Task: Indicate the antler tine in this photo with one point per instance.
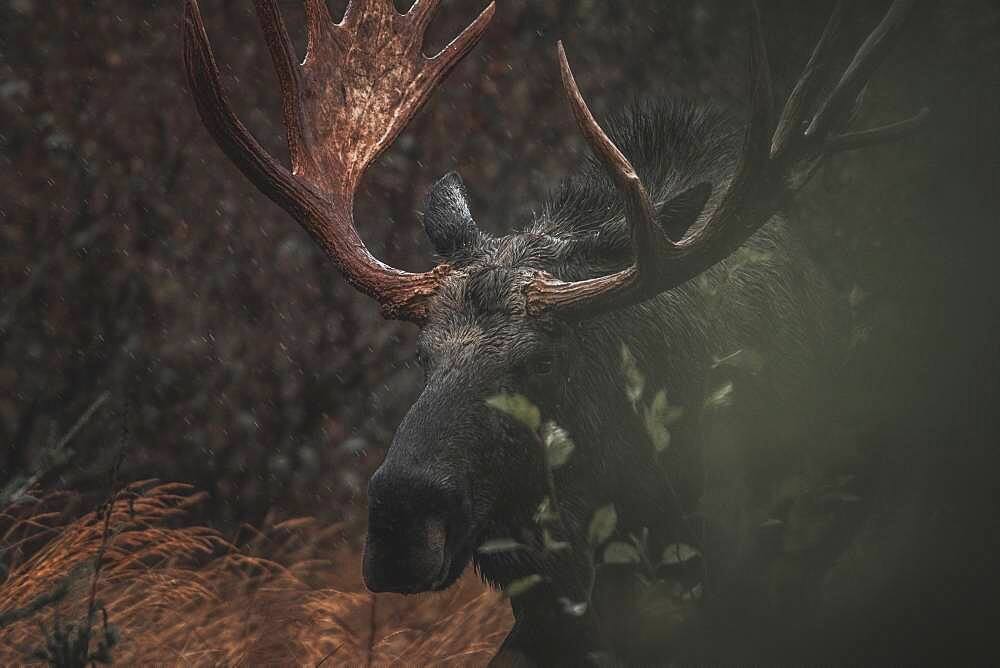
(287, 70)
(232, 136)
(318, 23)
(809, 84)
(357, 8)
(762, 90)
(725, 229)
(650, 245)
(868, 57)
(639, 210)
(659, 262)
(449, 56)
(373, 65)
(760, 186)
(423, 11)
(850, 141)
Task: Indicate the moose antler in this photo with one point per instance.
(774, 151)
(361, 82)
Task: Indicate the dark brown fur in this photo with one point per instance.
(458, 461)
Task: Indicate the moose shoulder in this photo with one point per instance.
(558, 441)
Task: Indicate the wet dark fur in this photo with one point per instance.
(767, 297)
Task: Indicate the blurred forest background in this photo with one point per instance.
(144, 280)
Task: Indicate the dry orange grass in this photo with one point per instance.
(186, 595)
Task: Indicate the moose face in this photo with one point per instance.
(456, 463)
(497, 314)
(489, 311)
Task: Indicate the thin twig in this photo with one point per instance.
(332, 652)
(84, 419)
(371, 632)
(15, 490)
(114, 494)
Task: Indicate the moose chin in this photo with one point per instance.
(668, 250)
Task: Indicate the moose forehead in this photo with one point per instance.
(486, 296)
(490, 281)
(482, 303)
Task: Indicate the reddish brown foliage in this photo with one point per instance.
(187, 595)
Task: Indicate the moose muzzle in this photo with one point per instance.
(411, 527)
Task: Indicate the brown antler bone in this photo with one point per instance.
(361, 82)
(774, 151)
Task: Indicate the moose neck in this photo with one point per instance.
(608, 421)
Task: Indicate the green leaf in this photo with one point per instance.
(679, 553)
(635, 381)
(518, 407)
(658, 434)
(558, 445)
(602, 524)
(500, 545)
(521, 585)
(551, 544)
(545, 513)
(721, 397)
(659, 416)
(573, 608)
(694, 593)
(621, 553)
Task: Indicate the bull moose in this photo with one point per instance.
(668, 250)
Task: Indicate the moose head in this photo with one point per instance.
(500, 315)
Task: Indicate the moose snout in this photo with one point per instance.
(410, 517)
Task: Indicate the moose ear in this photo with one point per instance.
(679, 213)
(447, 219)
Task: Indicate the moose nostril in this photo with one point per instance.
(435, 535)
(410, 517)
(408, 560)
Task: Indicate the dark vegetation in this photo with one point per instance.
(135, 261)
